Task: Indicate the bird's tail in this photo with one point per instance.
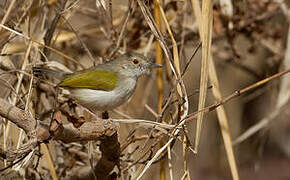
(44, 72)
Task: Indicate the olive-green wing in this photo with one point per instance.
(98, 79)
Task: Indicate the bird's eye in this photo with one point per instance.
(135, 61)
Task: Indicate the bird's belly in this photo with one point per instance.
(98, 100)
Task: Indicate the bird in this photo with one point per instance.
(105, 86)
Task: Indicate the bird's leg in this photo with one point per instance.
(90, 112)
(105, 115)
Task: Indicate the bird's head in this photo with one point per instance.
(134, 64)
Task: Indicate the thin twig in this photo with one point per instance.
(49, 34)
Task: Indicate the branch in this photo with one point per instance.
(236, 94)
(18, 116)
(111, 150)
(100, 129)
(67, 133)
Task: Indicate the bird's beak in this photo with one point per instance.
(154, 65)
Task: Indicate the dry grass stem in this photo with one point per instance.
(216, 91)
(206, 35)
